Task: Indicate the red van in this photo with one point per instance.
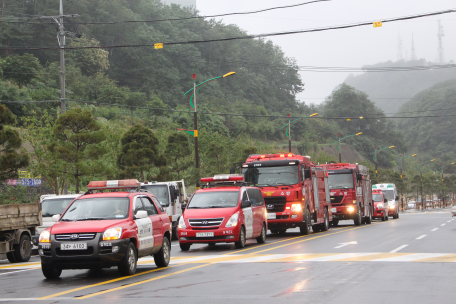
(225, 210)
(380, 205)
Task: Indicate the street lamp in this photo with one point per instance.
(375, 156)
(340, 139)
(289, 124)
(401, 159)
(192, 103)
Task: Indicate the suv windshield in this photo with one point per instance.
(52, 207)
(219, 199)
(160, 192)
(272, 176)
(340, 181)
(388, 194)
(99, 208)
(377, 198)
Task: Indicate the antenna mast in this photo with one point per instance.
(440, 34)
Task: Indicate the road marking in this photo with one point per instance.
(398, 248)
(435, 229)
(346, 244)
(443, 225)
(422, 236)
(20, 266)
(449, 221)
(19, 271)
(412, 257)
(140, 282)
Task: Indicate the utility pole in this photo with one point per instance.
(289, 134)
(340, 154)
(195, 127)
(61, 39)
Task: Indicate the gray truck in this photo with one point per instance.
(18, 224)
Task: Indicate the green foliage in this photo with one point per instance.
(16, 195)
(21, 69)
(77, 142)
(178, 152)
(139, 153)
(90, 61)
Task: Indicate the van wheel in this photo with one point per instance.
(127, 266)
(325, 225)
(23, 250)
(164, 255)
(50, 271)
(262, 238)
(305, 226)
(185, 247)
(395, 216)
(335, 223)
(241, 243)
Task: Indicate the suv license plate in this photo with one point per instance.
(204, 234)
(272, 216)
(73, 246)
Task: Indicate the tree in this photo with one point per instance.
(77, 142)
(178, 152)
(139, 152)
(90, 61)
(10, 158)
(21, 69)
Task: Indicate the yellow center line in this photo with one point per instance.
(140, 282)
(19, 265)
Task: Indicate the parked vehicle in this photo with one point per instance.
(380, 205)
(224, 210)
(171, 196)
(106, 229)
(17, 225)
(351, 193)
(411, 205)
(295, 191)
(390, 193)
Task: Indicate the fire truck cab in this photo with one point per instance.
(295, 191)
(351, 193)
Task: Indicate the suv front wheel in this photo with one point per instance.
(127, 266)
(163, 257)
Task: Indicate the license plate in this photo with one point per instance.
(204, 234)
(73, 246)
(333, 209)
(272, 216)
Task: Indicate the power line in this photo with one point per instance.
(240, 37)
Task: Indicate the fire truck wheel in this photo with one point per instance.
(185, 247)
(50, 271)
(262, 238)
(241, 242)
(358, 218)
(335, 223)
(282, 231)
(383, 218)
(387, 217)
(369, 218)
(316, 228)
(127, 266)
(325, 225)
(305, 226)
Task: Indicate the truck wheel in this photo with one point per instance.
(164, 255)
(10, 256)
(241, 243)
(325, 225)
(335, 223)
(383, 218)
(50, 271)
(305, 226)
(127, 266)
(185, 247)
(316, 228)
(262, 238)
(358, 218)
(274, 230)
(369, 218)
(23, 250)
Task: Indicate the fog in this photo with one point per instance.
(353, 47)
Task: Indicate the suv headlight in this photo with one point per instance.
(182, 223)
(112, 234)
(232, 222)
(45, 237)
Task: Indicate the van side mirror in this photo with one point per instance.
(397, 197)
(183, 206)
(307, 174)
(385, 200)
(141, 214)
(246, 204)
(55, 217)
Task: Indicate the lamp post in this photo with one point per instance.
(421, 175)
(192, 103)
(402, 158)
(289, 124)
(341, 139)
(375, 156)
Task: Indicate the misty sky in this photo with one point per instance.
(348, 47)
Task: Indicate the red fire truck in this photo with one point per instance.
(351, 193)
(295, 191)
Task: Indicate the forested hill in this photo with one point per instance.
(263, 73)
(390, 90)
(433, 137)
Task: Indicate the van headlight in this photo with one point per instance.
(391, 206)
(112, 234)
(181, 224)
(380, 205)
(232, 222)
(45, 237)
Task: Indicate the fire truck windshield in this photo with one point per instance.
(272, 176)
(340, 181)
(218, 199)
(160, 192)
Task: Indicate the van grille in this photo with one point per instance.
(205, 222)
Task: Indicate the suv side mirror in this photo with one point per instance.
(55, 217)
(307, 174)
(385, 200)
(141, 214)
(246, 204)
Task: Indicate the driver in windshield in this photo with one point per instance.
(120, 209)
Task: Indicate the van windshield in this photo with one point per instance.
(219, 199)
(388, 194)
(99, 208)
(272, 176)
(377, 198)
(52, 207)
(340, 181)
(160, 192)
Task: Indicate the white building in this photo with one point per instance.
(181, 2)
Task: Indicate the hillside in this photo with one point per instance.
(390, 90)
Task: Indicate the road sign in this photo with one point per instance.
(378, 24)
(158, 45)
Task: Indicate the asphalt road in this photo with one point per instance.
(398, 261)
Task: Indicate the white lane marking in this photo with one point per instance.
(18, 271)
(435, 229)
(443, 225)
(259, 259)
(420, 237)
(200, 258)
(398, 248)
(449, 221)
(411, 257)
(346, 244)
(337, 257)
(174, 245)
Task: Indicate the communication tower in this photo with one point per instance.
(399, 48)
(440, 34)
(413, 53)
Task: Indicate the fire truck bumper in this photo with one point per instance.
(344, 213)
(284, 220)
